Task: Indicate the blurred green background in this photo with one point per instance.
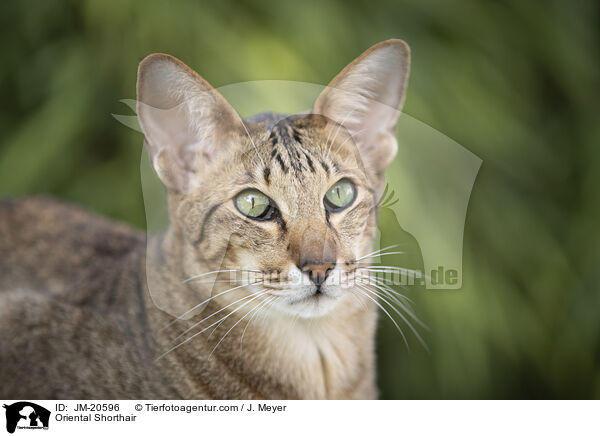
(515, 82)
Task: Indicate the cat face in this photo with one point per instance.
(288, 202)
(303, 244)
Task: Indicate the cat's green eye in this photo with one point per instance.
(340, 195)
(254, 204)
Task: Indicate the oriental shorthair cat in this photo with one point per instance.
(257, 288)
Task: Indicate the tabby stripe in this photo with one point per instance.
(283, 167)
(206, 218)
(310, 162)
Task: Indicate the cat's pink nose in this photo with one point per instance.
(318, 272)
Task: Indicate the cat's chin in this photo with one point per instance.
(313, 306)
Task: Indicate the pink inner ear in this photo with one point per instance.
(165, 127)
(183, 118)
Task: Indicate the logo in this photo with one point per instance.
(26, 415)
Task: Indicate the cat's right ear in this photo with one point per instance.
(186, 122)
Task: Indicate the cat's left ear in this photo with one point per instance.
(366, 98)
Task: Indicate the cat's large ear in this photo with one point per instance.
(366, 98)
(186, 122)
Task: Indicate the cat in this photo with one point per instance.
(93, 309)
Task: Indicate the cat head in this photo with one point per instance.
(292, 198)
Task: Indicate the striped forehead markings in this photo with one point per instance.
(288, 152)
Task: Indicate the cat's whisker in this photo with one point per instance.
(372, 279)
(271, 303)
(408, 311)
(221, 271)
(225, 318)
(329, 145)
(231, 328)
(385, 311)
(395, 310)
(327, 142)
(206, 328)
(262, 292)
(394, 296)
(277, 293)
(180, 317)
(395, 277)
(396, 293)
(374, 275)
(213, 314)
(378, 251)
(252, 141)
(380, 254)
(258, 309)
(264, 311)
(386, 267)
(349, 138)
(277, 286)
(390, 269)
(383, 298)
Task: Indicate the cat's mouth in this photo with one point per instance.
(299, 294)
(304, 301)
(318, 294)
(312, 296)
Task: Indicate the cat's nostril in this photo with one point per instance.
(318, 272)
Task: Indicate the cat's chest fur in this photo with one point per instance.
(282, 359)
(79, 323)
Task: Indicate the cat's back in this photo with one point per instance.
(59, 248)
(70, 297)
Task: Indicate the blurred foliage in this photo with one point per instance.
(515, 82)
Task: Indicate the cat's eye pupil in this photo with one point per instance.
(340, 195)
(254, 204)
